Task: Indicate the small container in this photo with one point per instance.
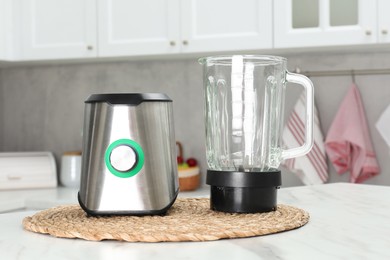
(70, 169)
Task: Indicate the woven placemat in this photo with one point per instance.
(189, 219)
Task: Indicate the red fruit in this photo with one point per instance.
(180, 160)
(192, 162)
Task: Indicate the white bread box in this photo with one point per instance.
(22, 170)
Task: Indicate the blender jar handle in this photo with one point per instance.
(306, 147)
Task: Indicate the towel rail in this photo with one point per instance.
(328, 73)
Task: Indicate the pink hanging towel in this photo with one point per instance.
(348, 142)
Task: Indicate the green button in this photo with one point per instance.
(139, 154)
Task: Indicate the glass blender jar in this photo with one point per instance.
(244, 107)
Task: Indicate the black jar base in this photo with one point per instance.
(243, 192)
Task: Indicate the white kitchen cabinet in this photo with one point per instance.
(301, 23)
(57, 29)
(3, 31)
(383, 30)
(65, 29)
(132, 27)
(6, 30)
(225, 25)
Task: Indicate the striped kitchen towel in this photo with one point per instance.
(312, 167)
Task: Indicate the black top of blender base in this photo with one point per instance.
(244, 179)
(128, 98)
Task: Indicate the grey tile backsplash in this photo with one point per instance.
(41, 106)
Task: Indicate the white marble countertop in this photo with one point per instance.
(37, 199)
(14, 200)
(347, 221)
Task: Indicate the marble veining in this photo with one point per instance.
(347, 221)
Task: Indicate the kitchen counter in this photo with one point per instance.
(37, 199)
(347, 221)
(15, 200)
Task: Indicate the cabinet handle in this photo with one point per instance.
(384, 31)
(368, 32)
(172, 43)
(90, 47)
(185, 42)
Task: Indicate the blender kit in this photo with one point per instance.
(129, 155)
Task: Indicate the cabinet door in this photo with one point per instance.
(301, 23)
(58, 29)
(383, 21)
(133, 27)
(3, 32)
(6, 30)
(226, 25)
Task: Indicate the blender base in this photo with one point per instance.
(243, 192)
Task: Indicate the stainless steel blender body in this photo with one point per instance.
(129, 155)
